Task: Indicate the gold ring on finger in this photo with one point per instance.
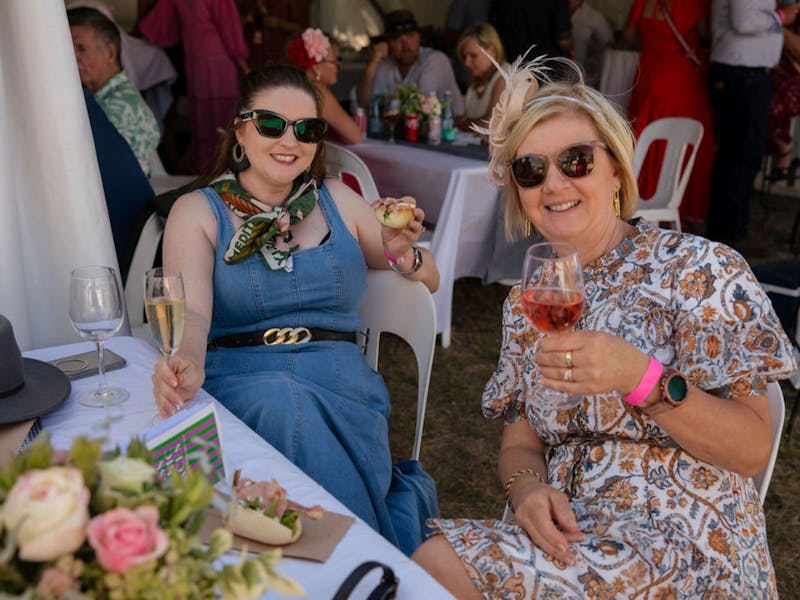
(568, 358)
(568, 374)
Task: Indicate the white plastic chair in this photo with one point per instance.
(143, 257)
(405, 308)
(341, 160)
(777, 413)
(161, 181)
(680, 133)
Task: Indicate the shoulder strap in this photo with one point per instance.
(690, 54)
(386, 589)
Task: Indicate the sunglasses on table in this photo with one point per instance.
(272, 125)
(575, 161)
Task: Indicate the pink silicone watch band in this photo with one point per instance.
(646, 384)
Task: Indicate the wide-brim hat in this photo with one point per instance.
(397, 23)
(28, 388)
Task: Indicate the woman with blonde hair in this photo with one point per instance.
(643, 489)
(476, 45)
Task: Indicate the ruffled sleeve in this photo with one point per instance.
(504, 394)
(727, 335)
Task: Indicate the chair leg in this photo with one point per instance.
(788, 433)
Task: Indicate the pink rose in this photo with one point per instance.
(317, 44)
(123, 538)
(51, 508)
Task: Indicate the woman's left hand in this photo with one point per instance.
(399, 241)
(589, 362)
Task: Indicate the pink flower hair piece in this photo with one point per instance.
(309, 48)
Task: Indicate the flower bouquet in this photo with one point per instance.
(418, 105)
(85, 524)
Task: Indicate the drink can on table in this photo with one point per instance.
(361, 120)
(412, 128)
(434, 130)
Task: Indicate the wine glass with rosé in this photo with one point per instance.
(392, 116)
(552, 298)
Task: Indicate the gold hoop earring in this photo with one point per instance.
(617, 208)
(238, 159)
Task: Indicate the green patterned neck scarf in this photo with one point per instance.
(265, 231)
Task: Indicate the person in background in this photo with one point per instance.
(125, 185)
(398, 59)
(746, 42)
(643, 489)
(545, 27)
(672, 81)
(269, 25)
(314, 52)
(215, 54)
(784, 107)
(460, 15)
(268, 243)
(479, 42)
(96, 42)
(591, 33)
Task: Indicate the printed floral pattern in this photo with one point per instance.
(659, 523)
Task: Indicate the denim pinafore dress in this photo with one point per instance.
(319, 403)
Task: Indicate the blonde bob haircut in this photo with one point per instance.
(486, 36)
(564, 98)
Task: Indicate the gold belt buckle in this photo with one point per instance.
(287, 335)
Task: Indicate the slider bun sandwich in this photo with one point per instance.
(397, 216)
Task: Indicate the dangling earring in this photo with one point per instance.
(527, 228)
(238, 159)
(617, 209)
(317, 74)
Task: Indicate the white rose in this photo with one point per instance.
(52, 507)
(123, 473)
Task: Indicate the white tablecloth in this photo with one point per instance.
(244, 449)
(617, 78)
(456, 194)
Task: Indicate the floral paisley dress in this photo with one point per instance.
(659, 523)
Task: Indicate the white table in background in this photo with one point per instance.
(244, 449)
(456, 195)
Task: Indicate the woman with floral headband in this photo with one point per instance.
(274, 260)
(313, 51)
(643, 489)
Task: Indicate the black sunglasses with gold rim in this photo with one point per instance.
(574, 161)
(272, 125)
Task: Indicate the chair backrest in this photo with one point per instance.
(340, 160)
(682, 135)
(143, 257)
(405, 308)
(777, 413)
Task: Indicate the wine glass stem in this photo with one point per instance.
(102, 389)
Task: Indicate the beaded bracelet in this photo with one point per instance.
(392, 260)
(514, 477)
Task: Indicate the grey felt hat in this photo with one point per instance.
(28, 388)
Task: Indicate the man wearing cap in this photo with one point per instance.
(398, 59)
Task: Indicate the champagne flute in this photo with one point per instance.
(552, 298)
(96, 310)
(165, 306)
(392, 117)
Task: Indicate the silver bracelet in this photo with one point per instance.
(414, 268)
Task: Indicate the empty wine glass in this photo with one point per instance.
(552, 298)
(165, 306)
(96, 311)
(392, 117)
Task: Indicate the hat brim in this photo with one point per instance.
(46, 387)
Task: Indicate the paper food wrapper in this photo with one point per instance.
(317, 542)
(12, 437)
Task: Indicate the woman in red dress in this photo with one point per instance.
(670, 84)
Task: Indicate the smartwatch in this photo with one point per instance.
(674, 389)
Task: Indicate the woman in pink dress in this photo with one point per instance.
(670, 84)
(214, 53)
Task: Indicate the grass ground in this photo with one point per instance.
(460, 447)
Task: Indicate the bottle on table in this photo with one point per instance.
(434, 124)
(361, 120)
(448, 121)
(375, 118)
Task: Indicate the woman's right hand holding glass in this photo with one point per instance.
(546, 516)
(175, 384)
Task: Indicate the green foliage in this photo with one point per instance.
(39, 455)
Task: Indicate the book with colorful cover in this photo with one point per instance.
(189, 438)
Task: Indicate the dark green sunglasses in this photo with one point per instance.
(273, 125)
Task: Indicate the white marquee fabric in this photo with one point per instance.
(54, 216)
